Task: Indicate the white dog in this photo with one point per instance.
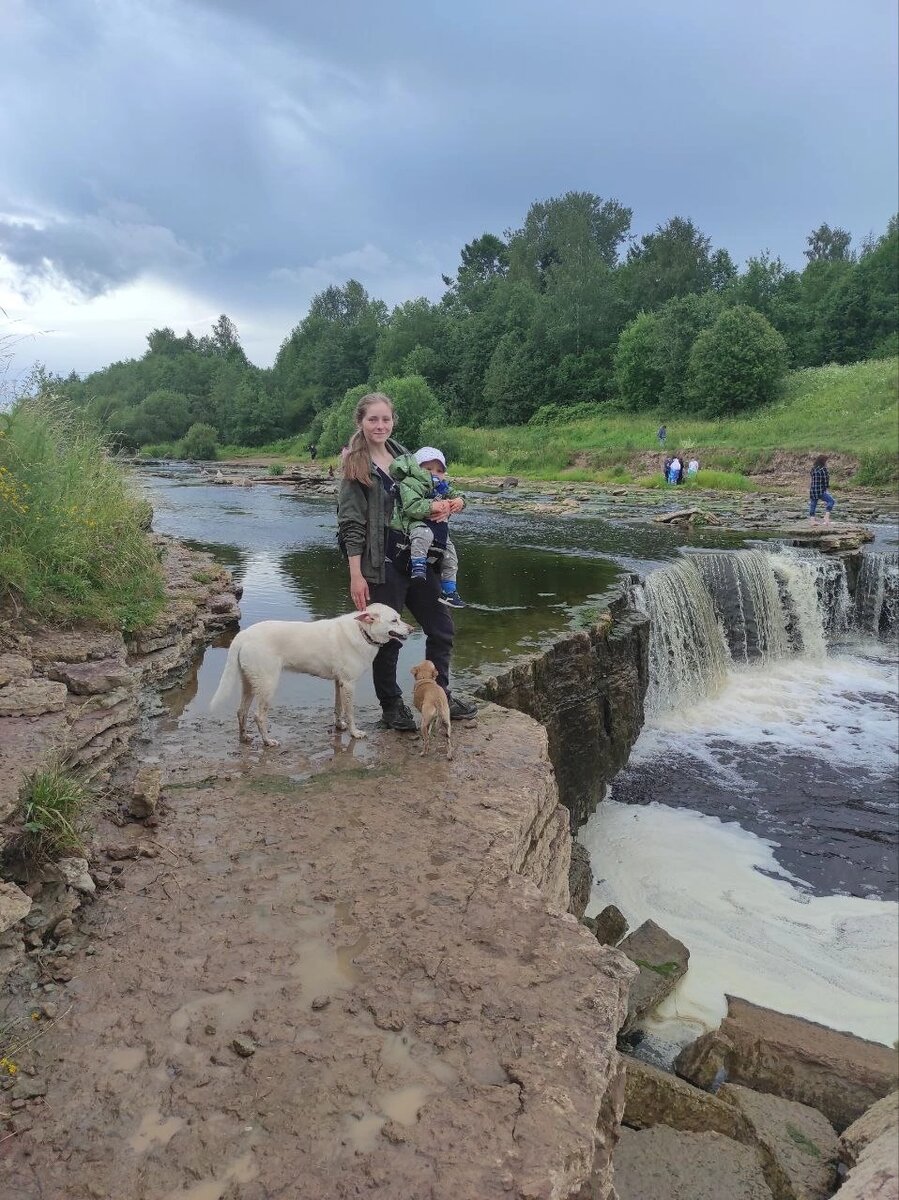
(339, 648)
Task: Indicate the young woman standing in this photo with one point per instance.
(364, 509)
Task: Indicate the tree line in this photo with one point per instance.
(566, 315)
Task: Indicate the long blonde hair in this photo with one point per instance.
(357, 460)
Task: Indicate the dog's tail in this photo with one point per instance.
(228, 681)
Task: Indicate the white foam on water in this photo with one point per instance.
(831, 959)
(841, 710)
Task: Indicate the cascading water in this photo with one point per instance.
(756, 817)
(877, 595)
(711, 611)
(688, 653)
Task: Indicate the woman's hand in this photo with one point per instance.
(440, 509)
(358, 584)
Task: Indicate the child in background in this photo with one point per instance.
(422, 479)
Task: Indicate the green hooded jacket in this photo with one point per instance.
(363, 514)
(416, 492)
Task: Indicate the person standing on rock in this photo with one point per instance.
(375, 552)
(820, 489)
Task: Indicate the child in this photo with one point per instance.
(422, 479)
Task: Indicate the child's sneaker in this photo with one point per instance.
(453, 599)
(419, 569)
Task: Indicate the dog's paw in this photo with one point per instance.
(340, 725)
(270, 742)
(358, 733)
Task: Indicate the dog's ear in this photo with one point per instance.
(365, 617)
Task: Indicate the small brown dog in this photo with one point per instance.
(430, 700)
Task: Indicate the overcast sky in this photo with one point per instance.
(163, 162)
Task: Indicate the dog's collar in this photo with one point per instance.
(371, 641)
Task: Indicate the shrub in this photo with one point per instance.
(877, 470)
(200, 442)
(71, 538)
(276, 469)
(737, 364)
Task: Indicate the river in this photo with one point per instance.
(757, 817)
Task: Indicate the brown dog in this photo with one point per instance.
(430, 700)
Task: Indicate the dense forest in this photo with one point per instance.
(569, 314)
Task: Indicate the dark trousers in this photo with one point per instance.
(421, 597)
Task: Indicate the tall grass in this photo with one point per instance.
(72, 544)
(53, 815)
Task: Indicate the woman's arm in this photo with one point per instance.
(358, 583)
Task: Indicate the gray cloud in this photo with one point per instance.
(250, 154)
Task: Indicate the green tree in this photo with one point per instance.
(639, 377)
(415, 406)
(737, 364)
(674, 260)
(829, 245)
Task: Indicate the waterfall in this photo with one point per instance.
(877, 595)
(688, 652)
(815, 598)
(712, 610)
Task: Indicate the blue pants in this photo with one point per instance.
(828, 500)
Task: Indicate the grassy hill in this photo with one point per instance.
(850, 410)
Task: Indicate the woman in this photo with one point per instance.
(819, 489)
(364, 509)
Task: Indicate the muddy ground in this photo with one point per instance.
(284, 994)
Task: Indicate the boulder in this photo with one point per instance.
(664, 1164)
(838, 1073)
(876, 1175)
(654, 1097)
(705, 1061)
(662, 960)
(94, 677)
(610, 926)
(32, 698)
(580, 879)
(145, 792)
(76, 875)
(879, 1118)
(14, 904)
(13, 666)
(797, 1144)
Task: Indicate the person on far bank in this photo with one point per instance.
(661, 435)
(692, 468)
(674, 470)
(820, 489)
(364, 511)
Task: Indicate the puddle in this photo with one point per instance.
(242, 1170)
(321, 969)
(362, 1132)
(403, 1104)
(126, 1058)
(222, 1009)
(400, 1055)
(154, 1130)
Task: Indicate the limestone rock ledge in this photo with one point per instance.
(77, 690)
(587, 690)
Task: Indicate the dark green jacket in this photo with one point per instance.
(363, 514)
(416, 492)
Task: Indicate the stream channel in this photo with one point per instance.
(757, 817)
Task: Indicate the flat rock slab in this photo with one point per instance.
(662, 960)
(426, 1019)
(880, 1118)
(838, 1073)
(94, 677)
(664, 1164)
(798, 1145)
(876, 1174)
(654, 1097)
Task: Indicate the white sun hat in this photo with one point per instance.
(430, 454)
